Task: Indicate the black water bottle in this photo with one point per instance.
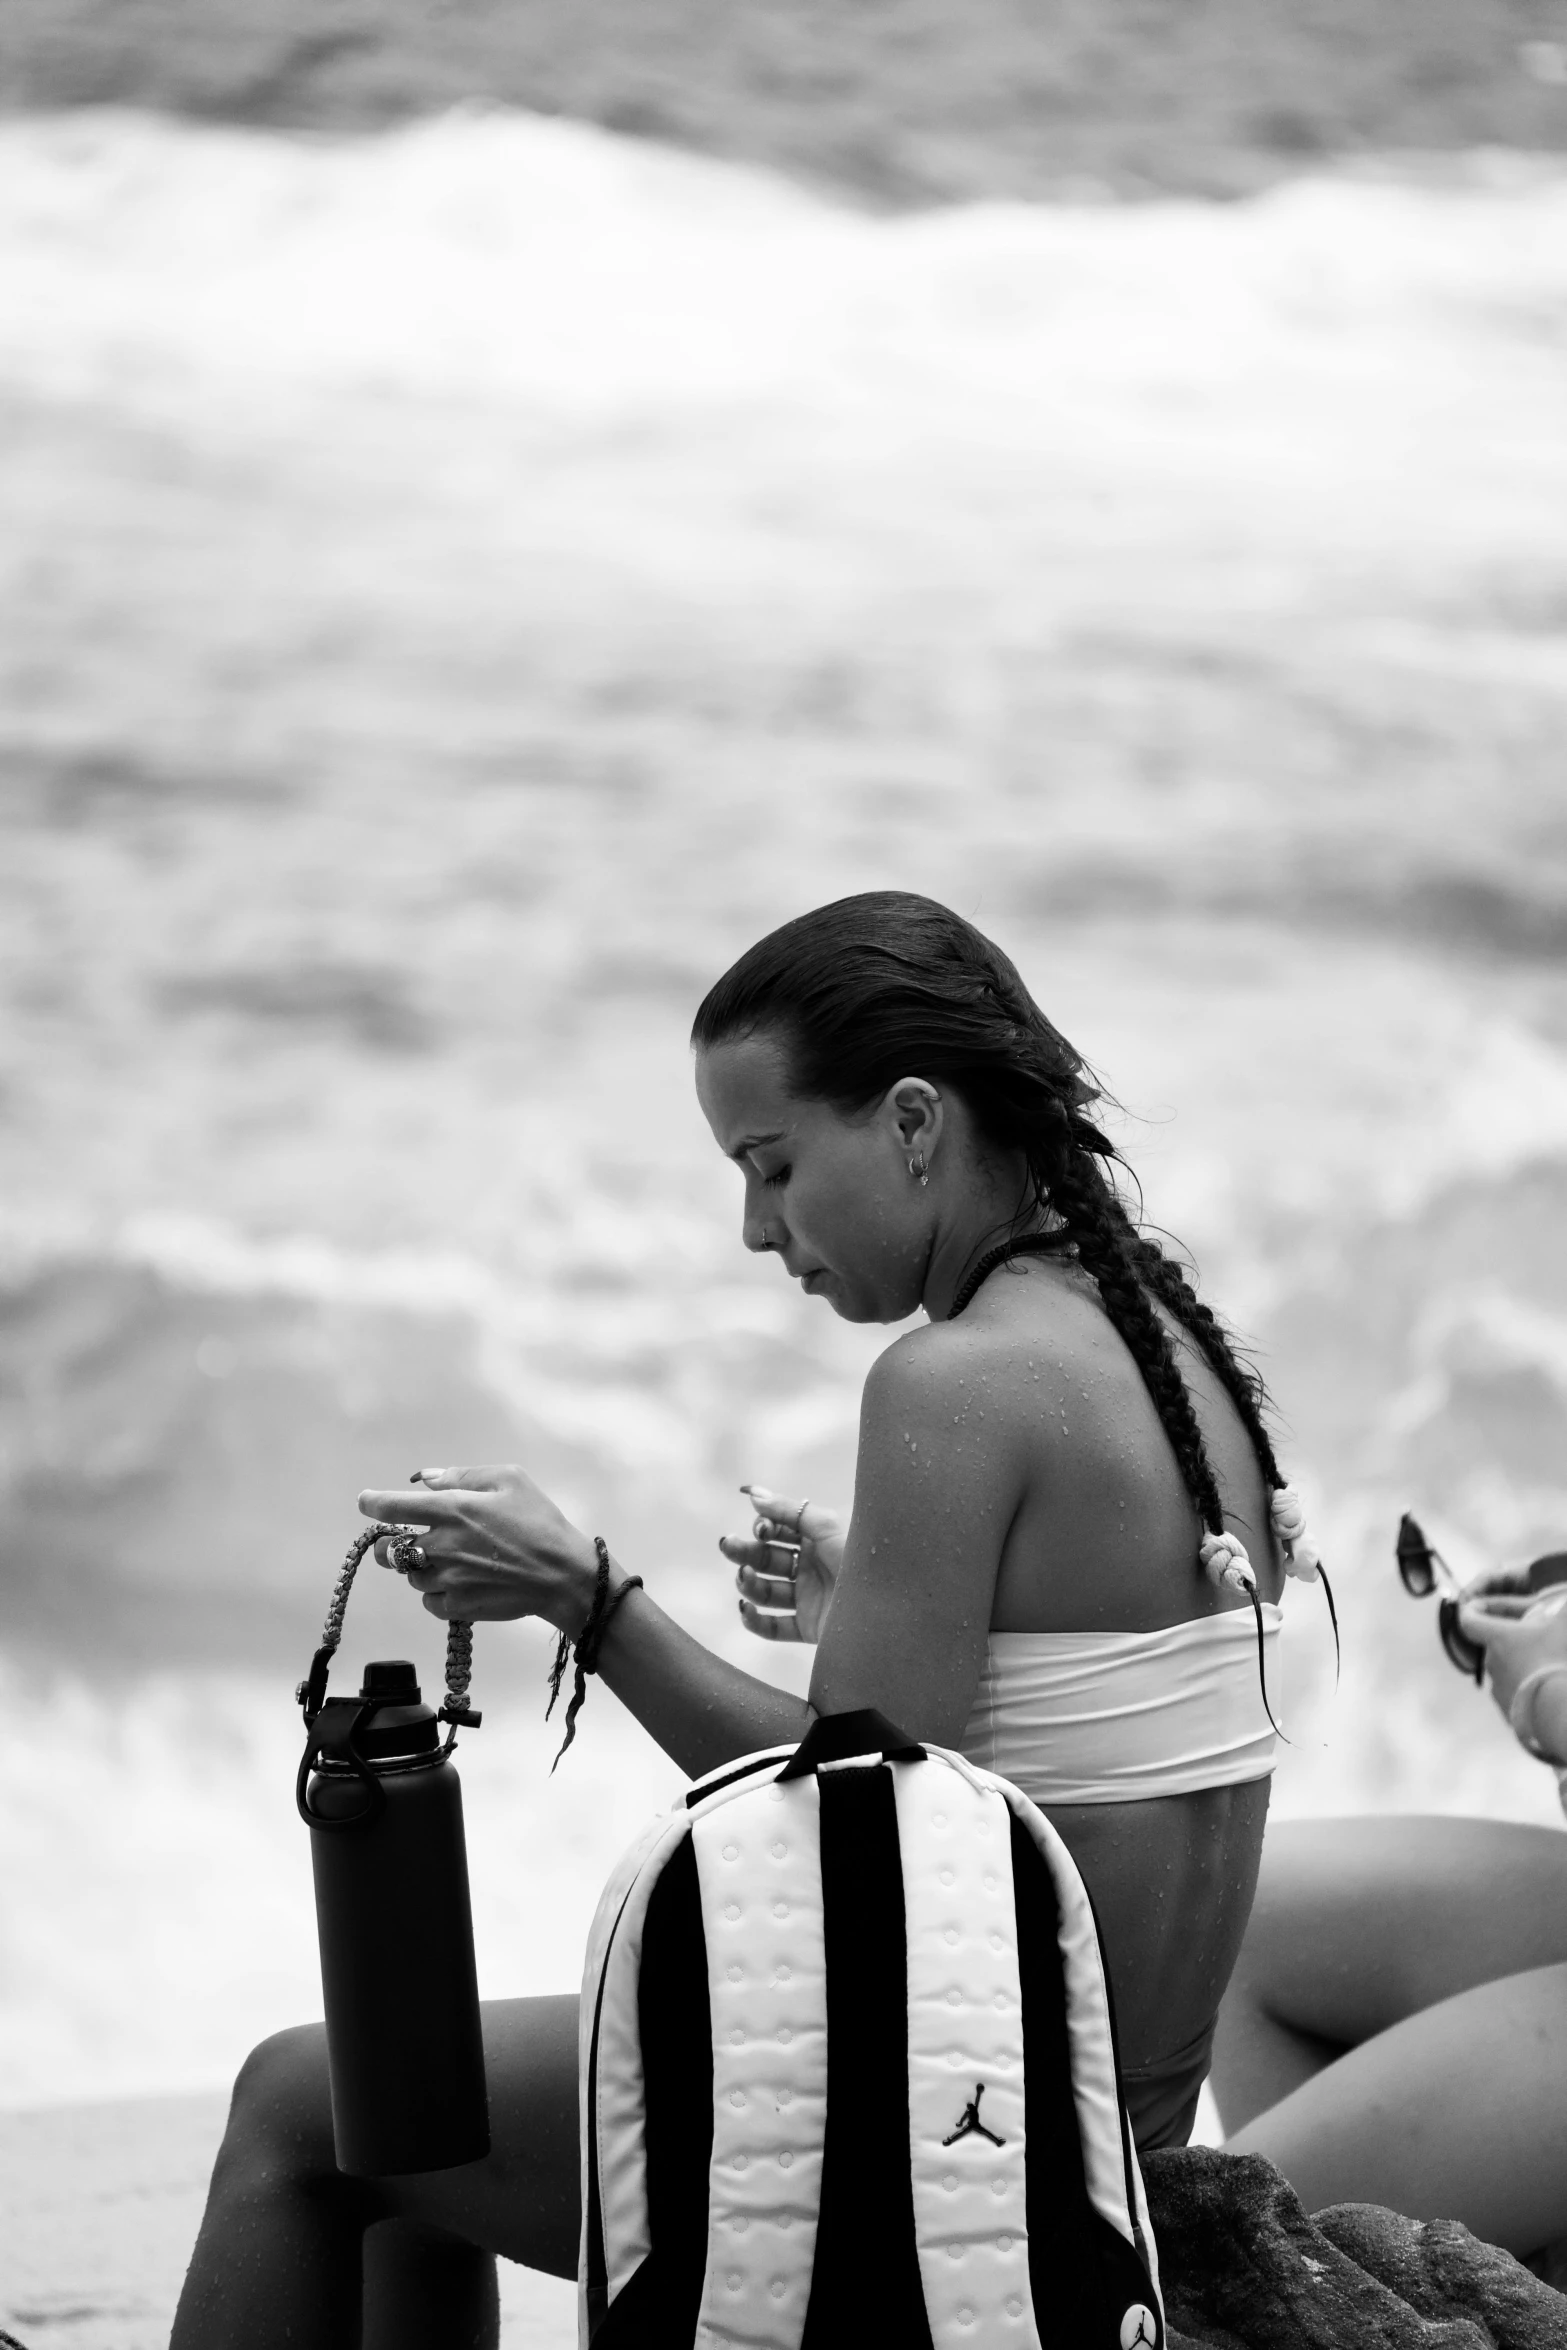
(380, 1794)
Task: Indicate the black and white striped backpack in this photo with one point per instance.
(848, 2071)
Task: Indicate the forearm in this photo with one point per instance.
(701, 1711)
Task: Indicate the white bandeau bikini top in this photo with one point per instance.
(1122, 1717)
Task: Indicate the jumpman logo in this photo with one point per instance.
(971, 2126)
(1139, 2330)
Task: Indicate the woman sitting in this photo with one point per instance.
(1059, 1483)
(1396, 2032)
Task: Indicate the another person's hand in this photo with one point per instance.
(787, 1565)
(494, 1546)
(1518, 1639)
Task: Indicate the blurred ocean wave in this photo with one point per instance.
(458, 587)
(490, 254)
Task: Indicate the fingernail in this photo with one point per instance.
(416, 1476)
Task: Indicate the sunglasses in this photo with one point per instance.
(1422, 1570)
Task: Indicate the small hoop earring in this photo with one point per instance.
(917, 1168)
(764, 1242)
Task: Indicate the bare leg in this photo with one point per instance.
(1458, 2113)
(281, 2250)
(423, 2286)
(1359, 1924)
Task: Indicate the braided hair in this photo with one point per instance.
(885, 985)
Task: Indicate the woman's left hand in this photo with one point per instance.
(788, 1566)
(1516, 1644)
(494, 1546)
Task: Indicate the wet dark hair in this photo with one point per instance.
(889, 985)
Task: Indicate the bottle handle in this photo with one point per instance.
(311, 1693)
(332, 1734)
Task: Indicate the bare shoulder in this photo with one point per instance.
(1036, 1329)
(931, 1364)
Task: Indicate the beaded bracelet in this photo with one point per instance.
(588, 1642)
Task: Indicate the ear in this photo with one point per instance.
(917, 1113)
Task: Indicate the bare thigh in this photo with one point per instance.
(1457, 2112)
(292, 2250)
(1361, 1923)
(523, 2201)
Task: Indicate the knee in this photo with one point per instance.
(280, 2119)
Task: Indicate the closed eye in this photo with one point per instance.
(778, 1178)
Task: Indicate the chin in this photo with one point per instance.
(852, 1308)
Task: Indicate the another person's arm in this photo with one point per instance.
(1526, 1669)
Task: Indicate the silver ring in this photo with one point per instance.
(407, 1556)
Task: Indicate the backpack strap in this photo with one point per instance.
(862, 1737)
(732, 1774)
(616, 2235)
(1111, 2172)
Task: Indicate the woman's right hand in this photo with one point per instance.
(786, 1566)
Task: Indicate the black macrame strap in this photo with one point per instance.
(1027, 1244)
(587, 1645)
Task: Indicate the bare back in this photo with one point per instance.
(1105, 1538)
(1014, 1466)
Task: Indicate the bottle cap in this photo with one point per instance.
(391, 1681)
(401, 1723)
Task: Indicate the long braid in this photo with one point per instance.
(1130, 1271)
(1107, 1248)
(1163, 1275)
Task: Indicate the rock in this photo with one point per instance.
(1245, 2268)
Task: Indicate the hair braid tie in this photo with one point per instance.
(1228, 1568)
(1301, 1559)
(1288, 1513)
(1226, 1563)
